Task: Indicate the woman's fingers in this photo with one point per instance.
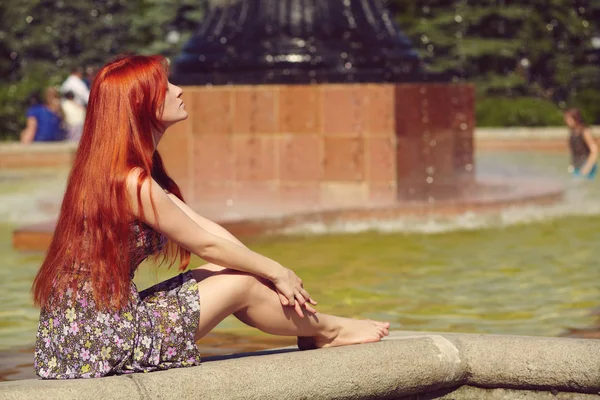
(306, 295)
(298, 308)
(301, 299)
(310, 309)
(282, 298)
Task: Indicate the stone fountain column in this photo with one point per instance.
(300, 105)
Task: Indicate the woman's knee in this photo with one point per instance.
(245, 282)
(237, 280)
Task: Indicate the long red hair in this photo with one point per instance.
(91, 238)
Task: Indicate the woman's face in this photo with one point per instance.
(174, 108)
(570, 121)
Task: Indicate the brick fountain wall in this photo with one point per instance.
(279, 148)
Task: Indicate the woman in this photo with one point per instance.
(584, 151)
(120, 206)
(44, 119)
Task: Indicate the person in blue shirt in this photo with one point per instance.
(44, 118)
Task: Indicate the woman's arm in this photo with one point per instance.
(160, 212)
(593, 157)
(205, 223)
(28, 134)
(218, 230)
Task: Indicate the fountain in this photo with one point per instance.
(341, 120)
(317, 112)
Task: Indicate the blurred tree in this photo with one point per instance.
(41, 40)
(547, 49)
(540, 48)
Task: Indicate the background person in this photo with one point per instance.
(44, 118)
(75, 83)
(74, 116)
(582, 146)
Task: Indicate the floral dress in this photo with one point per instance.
(155, 331)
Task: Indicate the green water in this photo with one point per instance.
(532, 271)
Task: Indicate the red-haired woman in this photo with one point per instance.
(583, 148)
(120, 207)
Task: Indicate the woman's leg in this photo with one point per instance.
(224, 292)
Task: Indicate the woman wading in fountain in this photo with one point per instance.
(584, 151)
(120, 207)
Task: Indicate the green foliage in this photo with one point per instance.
(532, 48)
(540, 49)
(41, 40)
(520, 111)
(588, 102)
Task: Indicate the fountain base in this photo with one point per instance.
(247, 219)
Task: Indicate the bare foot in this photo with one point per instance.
(347, 331)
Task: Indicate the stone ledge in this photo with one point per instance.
(40, 147)
(36, 155)
(415, 364)
(515, 133)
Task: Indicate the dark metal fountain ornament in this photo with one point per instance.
(297, 41)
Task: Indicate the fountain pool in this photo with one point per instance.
(531, 270)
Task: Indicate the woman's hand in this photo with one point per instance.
(291, 292)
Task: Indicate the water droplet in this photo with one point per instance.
(424, 39)
(463, 126)
(13, 55)
(223, 40)
(430, 170)
(430, 47)
(458, 18)
(344, 55)
(269, 58)
(429, 179)
(432, 143)
(585, 23)
(29, 19)
(549, 27)
(348, 65)
(94, 13)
